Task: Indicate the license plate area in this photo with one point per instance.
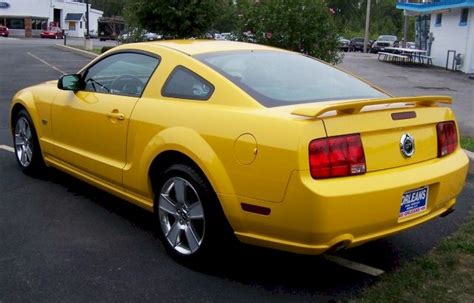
(413, 202)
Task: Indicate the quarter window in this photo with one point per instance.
(121, 74)
(185, 84)
(464, 16)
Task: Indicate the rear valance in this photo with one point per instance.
(354, 107)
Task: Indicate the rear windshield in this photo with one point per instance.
(387, 38)
(276, 78)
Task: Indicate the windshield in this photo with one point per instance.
(387, 38)
(276, 78)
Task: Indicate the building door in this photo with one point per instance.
(57, 17)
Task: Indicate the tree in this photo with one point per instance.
(305, 26)
(173, 18)
(109, 7)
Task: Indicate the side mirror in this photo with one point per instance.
(70, 82)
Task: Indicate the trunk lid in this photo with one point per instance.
(382, 124)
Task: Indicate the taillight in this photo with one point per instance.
(447, 138)
(336, 157)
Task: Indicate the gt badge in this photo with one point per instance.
(407, 145)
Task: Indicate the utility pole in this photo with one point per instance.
(87, 19)
(405, 28)
(367, 24)
(87, 41)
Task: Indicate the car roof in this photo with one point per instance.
(195, 47)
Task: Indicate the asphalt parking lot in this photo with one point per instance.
(63, 240)
(410, 80)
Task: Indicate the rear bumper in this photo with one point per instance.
(319, 214)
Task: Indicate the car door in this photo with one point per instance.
(90, 126)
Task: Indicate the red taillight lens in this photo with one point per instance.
(447, 138)
(336, 157)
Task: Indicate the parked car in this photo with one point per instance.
(52, 33)
(357, 44)
(4, 32)
(411, 45)
(137, 35)
(384, 41)
(344, 44)
(147, 36)
(305, 167)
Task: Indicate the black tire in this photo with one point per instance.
(35, 165)
(216, 232)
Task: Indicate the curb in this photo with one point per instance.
(470, 155)
(77, 51)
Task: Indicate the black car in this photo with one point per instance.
(357, 44)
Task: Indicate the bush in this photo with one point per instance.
(305, 26)
(105, 48)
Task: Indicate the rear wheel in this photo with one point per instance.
(191, 221)
(25, 140)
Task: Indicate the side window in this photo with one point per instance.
(120, 74)
(185, 84)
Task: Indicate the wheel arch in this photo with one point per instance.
(177, 144)
(24, 101)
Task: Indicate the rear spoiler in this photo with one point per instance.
(354, 107)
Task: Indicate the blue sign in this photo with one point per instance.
(4, 5)
(413, 202)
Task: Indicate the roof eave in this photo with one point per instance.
(421, 8)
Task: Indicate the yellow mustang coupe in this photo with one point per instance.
(219, 138)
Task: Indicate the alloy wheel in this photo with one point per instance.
(23, 142)
(181, 215)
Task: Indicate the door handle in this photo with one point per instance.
(116, 115)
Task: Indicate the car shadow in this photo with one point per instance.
(269, 270)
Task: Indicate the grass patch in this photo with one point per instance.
(446, 274)
(95, 50)
(467, 143)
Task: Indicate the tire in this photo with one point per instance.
(191, 223)
(25, 141)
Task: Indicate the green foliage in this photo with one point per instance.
(305, 26)
(105, 48)
(385, 18)
(173, 18)
(109, 7)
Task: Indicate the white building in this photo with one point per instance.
(26, 18)
(451, 25)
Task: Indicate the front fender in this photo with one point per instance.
(25, 99)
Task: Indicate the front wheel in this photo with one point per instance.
(25, 141)
(191, 220)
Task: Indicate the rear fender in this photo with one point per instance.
(195, 147)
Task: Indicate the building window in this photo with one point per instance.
(72, 26)
(464, 16)
(80, 25)
(14, 23)
(439, 19)
(39, 24)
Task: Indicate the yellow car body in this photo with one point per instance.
(250, 154)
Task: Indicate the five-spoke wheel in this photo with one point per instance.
(192, 225)
(25, 140)
(181, 215)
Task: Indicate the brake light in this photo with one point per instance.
(447, 138)
(336, 157)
